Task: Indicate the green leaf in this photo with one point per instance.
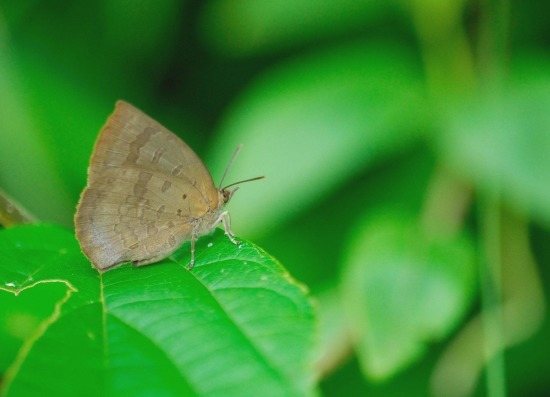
(503, 142)
(313, 124)
(333, 346)
(235, 325)
(25, 163)
(158, 22)
(402, 289)
(245, 27)
(21, 315)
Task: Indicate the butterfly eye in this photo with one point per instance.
(227, 194)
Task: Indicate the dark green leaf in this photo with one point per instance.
(255, 26)
(25, 165)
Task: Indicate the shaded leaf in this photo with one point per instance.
(248, 27)
(157, 21)
(25, 165)
(402, 290)
(334, 344)
(312, 124)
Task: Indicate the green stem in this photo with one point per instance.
(448, 59)
(12, 213)
(491, 295)
(446, 204)
(493, 42)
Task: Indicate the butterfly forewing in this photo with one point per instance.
(145, 188)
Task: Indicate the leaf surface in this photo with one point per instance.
(403, 289)
(236, 324)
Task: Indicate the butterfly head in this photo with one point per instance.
(226, 194)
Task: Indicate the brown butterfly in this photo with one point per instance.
(147, 193)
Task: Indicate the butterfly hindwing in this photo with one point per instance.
(146, 188)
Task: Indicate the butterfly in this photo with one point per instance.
(147, 193)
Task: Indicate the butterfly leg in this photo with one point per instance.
(226, 221)
(192, 261)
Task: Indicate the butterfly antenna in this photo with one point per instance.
(246, 180)
(230, 163)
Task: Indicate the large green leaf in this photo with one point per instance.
(503, 141)
(312, 124)
(236, 325)
(403, 289)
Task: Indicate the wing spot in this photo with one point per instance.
(157, 155)
(177, 169)
(184, 196)
(172, 240)
(165, 186)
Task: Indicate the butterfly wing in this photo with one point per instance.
(146, 188)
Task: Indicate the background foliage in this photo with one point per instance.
(405, 145)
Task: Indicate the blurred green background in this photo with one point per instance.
(406, 146)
